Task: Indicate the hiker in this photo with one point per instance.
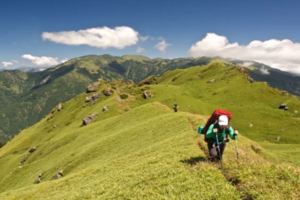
(216, 132)
(175, 107)
(217, 136)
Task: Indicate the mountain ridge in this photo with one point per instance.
(40, 91)
(141, 149)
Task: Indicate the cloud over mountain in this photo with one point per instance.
(42, 61)
(162, 45)
(6, 63)
(280, 54)
(100, 37)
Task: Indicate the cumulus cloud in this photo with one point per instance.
(99, 37)
(6, 63)
(162, 46)
(42, 61)
(280, 54)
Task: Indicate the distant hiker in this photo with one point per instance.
(175, 107)
(216, 132)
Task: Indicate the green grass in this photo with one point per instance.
(251, 103)
(27, 101)
(141, 149)
(284, 152)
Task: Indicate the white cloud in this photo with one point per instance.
(264, 71)
(280, 54)
(140, 50)
(162, 46)
(247, 64)
(42, 61)
(100, 37)
(7, 63)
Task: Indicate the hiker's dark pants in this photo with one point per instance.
(213, 151)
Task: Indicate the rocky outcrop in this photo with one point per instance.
(149, 81)
(283, 106)
(59, 174)
(93, 97)
(38, 179)
(32, 149)
(45, 80)
(88, 119)
(250, 79)
(59, 107)
(211, 81)
(92, 87)
(146, 94)
(107, 92)
(104, 109)
(124, 96)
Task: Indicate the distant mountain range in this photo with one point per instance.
(274, 77)
(28, 96)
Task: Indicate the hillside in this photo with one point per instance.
(274, 77)
(29, 96)
(141, 149)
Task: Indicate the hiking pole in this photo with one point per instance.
(218, 149)
(236, 146)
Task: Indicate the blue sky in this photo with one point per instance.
(179, 24)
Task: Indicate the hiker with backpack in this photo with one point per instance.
(217, 132)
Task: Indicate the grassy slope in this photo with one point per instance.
(142, 151)
(27, 100)
(252, 103)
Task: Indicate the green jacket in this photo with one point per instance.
(210, 135)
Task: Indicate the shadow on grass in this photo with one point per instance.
(194, 160)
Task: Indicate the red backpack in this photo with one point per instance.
(214, 117)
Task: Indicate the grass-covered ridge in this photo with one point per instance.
(141, 149)
(29, 96)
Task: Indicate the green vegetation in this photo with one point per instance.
(141, 149)
(255, 105)
(30, 96)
